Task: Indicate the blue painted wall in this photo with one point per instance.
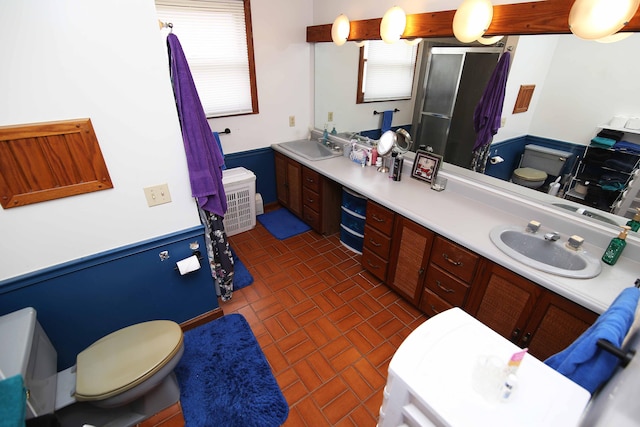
(261, 163)
(512, 149)
(83, 300)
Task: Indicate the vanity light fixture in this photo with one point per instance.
(340, 30)
(393, 24)
(614, 38)
(490, 40)
(595, 19)
(472, 19)
(413, 42)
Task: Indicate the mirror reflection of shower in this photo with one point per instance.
(454, 81)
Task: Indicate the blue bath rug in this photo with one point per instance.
(282, 224)
(241, 276)
(225, 379)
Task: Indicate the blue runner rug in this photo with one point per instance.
(225, 379)
(282, 224)
(241, 276)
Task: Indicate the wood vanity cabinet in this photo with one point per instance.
(307, 194)
(451, 273)
(527, 314)
(289, 183)
(321, 199)
(376, 246)
(410, 254)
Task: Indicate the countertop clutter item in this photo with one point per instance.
(615, 248)
(634, 223)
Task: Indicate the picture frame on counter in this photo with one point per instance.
(426, 166)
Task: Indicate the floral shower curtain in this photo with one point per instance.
(204, 161)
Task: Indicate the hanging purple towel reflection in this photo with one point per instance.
(486, 117)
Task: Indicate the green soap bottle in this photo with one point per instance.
(634, 223)
(616, 246)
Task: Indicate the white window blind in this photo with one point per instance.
(213, 36)
(388, 71)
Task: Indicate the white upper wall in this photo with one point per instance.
(106, 60)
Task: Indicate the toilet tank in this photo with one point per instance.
(26, 350)
(545, 159)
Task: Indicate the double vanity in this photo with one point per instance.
(435, 249)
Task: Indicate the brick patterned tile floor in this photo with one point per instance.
(327, 327)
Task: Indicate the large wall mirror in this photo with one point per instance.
(579, 85)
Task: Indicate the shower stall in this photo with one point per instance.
(454, 81)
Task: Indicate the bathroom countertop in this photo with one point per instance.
(466, 212)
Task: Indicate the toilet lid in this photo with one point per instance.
(125, 358)
(530, 174)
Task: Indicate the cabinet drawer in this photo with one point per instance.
(312, 218)
(311, 199)
(374, 264)
(311, 179)
(380, 218)
(377, 242)
(431, 304)
(446, 287)
(454, 259)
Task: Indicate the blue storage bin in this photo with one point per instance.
(354, 202)
(351, 239)
(352, 220)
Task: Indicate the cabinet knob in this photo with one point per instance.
(309, 200)
(515, 335)
(374, 243)
(526, 338)
(450, 261)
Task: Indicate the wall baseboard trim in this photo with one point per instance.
(202, 319)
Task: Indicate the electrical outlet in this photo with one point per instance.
(503, 121)
(157, 195)
(330, 116)
(292, 121)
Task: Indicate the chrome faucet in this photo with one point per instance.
(552, 237)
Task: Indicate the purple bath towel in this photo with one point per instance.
(204, 158)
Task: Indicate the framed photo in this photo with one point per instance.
(425, 166)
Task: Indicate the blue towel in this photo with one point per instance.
(387, 118)
(13, 402)
(216, 136)
(584, 362)
(599, 141)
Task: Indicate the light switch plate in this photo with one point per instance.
(157, 195)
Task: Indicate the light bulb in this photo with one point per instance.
(340, 30)
(595, 19)
(392, 26)
(472, 19)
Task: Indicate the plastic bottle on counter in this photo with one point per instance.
(634, 223)
(399, 161)
(374, 156)
(616, 246)
(392, 166)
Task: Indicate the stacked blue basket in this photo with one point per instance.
(354, 209)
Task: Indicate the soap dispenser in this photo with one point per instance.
(616, 247)
(634, 223)
(334, 131)
(325, 135)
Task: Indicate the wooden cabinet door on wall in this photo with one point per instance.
(289, 183)
(507, 302)
(409, 259)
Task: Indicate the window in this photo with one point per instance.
(386, 71)
(217, 39)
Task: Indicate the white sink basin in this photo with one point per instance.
(311, 150)
(549, 256)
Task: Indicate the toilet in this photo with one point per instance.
(119, 380)
(537, 164)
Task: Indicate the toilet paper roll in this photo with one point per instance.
(188, 265)
(496, 159)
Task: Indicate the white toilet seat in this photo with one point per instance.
(125, 359)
